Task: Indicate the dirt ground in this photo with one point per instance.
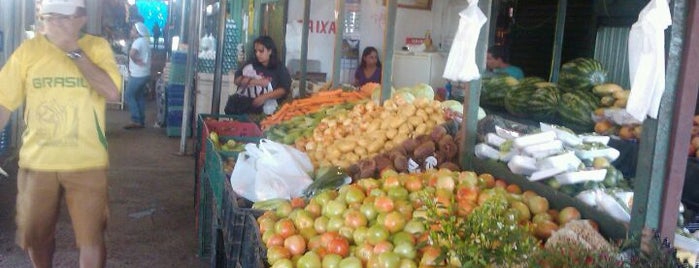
(151, 203)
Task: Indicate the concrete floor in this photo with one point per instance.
(151, 203)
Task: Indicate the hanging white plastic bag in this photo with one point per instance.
(647, 59)
(461, 64)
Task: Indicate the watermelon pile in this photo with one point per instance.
(577, 80)
(581, 74)
(533, 98)
(494, 89)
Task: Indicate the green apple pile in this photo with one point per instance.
(383, 222)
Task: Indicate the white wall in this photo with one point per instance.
(409, 23)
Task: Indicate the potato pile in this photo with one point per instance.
(438, 149)
(369, 129)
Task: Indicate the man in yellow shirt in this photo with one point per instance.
(63, 78)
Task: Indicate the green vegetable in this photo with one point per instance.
(490, 234)
(332, 178)
(423, 90)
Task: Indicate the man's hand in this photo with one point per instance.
(64, 33)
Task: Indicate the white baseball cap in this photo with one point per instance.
(141, 29)
(64, 7)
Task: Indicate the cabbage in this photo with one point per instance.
(453, 105)
(459, 108)
(423, 90)
(376, 93)
(405, 95)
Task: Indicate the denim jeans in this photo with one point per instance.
(136, 99)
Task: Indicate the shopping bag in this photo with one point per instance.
(243, 175)
(271, 170)
(282, 166)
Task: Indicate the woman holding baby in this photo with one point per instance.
(262, 83)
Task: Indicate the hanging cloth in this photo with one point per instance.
(461, 63)
(647, 59)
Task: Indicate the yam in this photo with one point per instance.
(424, 150)
(423, 138)
(396, 151)
(401, 163)
(441, 156)
(437, 133)
(450, 149)
(409, 145)
(450, 166)
(367, 168)
(383, 162)
(444, 140)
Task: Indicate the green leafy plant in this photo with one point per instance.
(489, 235)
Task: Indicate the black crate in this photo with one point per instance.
(204, 215)
(241, 239)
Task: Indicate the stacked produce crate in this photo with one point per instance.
(231, 39)
(214, 157)
(174, 95)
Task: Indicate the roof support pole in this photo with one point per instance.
(388, 43)
(651, 169)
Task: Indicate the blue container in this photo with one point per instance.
(174, 118)
(178, 57)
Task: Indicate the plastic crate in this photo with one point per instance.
(226, 154)
(178, 57)
(175, 101)
(231, 126)
(242, 239)
(204, 215)
(214, 168)
(174, 88)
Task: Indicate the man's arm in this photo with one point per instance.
(98, 78)
(133, 53)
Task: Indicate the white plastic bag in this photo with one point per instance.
(461, 64)
(243, 175)
(271, 170)
(647, 59)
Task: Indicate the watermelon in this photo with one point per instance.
(532, 97)
(494, 88)
(581, 74)
(517, 99)
(575, 112)
(543, 103)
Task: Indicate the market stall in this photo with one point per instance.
(331, 133)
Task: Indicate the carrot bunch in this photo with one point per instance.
(312, 104)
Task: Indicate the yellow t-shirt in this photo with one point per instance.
(64, 116)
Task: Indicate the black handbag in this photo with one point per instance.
(239, 104)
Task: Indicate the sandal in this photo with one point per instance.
(133, 126)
